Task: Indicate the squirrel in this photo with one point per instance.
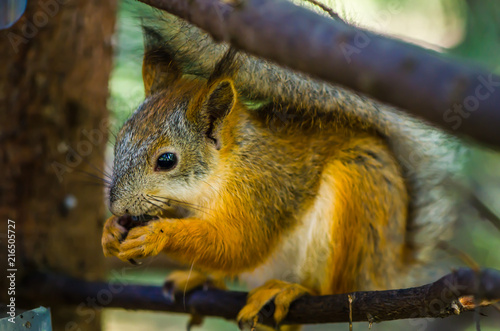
(243, 168)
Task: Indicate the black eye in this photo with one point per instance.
(166, 161)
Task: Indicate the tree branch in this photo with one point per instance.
(438, 299)
(456, 97)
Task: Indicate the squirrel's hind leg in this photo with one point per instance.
(283, 294)
(180, 282)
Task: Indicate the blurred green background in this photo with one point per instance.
(468, 29)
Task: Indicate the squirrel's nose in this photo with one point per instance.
(116, 209)
(114, 205)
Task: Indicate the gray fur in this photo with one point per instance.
(133, 167)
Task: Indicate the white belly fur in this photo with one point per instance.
(303, 253)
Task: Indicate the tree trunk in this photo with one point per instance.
(54, 71)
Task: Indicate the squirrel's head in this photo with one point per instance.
(171, 143)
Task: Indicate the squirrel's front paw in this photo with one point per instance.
(112, 235)
(281, 292)
(144, 241)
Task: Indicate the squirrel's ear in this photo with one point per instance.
(159, 70)
(221, 99)
(219, 102)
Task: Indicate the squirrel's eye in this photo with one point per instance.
(166, 161)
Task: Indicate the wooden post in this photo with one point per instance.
(54, 76)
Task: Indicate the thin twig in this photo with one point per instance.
(327, 9)
(464, 257)
(483, 210)
(471, 191)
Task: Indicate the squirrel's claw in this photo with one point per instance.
(258, 308)
(195, 320)
(134, 262)
(143, 241)
(112, 235)
(139, 241)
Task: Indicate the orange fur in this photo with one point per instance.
(324, 199)
(369, 218)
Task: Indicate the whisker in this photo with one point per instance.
(154, 204)
(142, 217)
(102, 172)
(88, 182)
(149, 201)
(185, 286)
(104, 180)
(186, 204)
(192, 206)
(189, 206)
(179, 202)
(213, 188)
(159, 199)
(113, 134)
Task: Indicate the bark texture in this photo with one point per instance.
(54, 71)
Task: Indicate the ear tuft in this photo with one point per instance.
(159, 70)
